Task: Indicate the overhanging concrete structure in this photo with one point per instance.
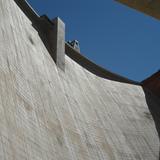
(81, 113)
(149, 7)
(153, 83)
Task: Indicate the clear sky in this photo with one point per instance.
(112, 35)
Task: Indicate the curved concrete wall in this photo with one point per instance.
(95, 69)
(46, 27)
(46, 113)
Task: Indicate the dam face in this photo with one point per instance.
(47, 113)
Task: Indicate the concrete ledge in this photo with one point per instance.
(94, 68)
(27, 9)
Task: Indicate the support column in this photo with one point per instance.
(59, 42)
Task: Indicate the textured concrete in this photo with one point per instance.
(93, 68)
(48, 114)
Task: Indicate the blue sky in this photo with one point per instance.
(112, 35)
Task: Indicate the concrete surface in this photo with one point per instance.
(94, 68)
(59, 44)
(48, 114)
(45, 28)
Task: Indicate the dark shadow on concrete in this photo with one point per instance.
(44, 27)
(42, 24)
(153, 103)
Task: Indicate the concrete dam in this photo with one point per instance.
(55, 104)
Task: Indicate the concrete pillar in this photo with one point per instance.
(52, 33)
(59, 42)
